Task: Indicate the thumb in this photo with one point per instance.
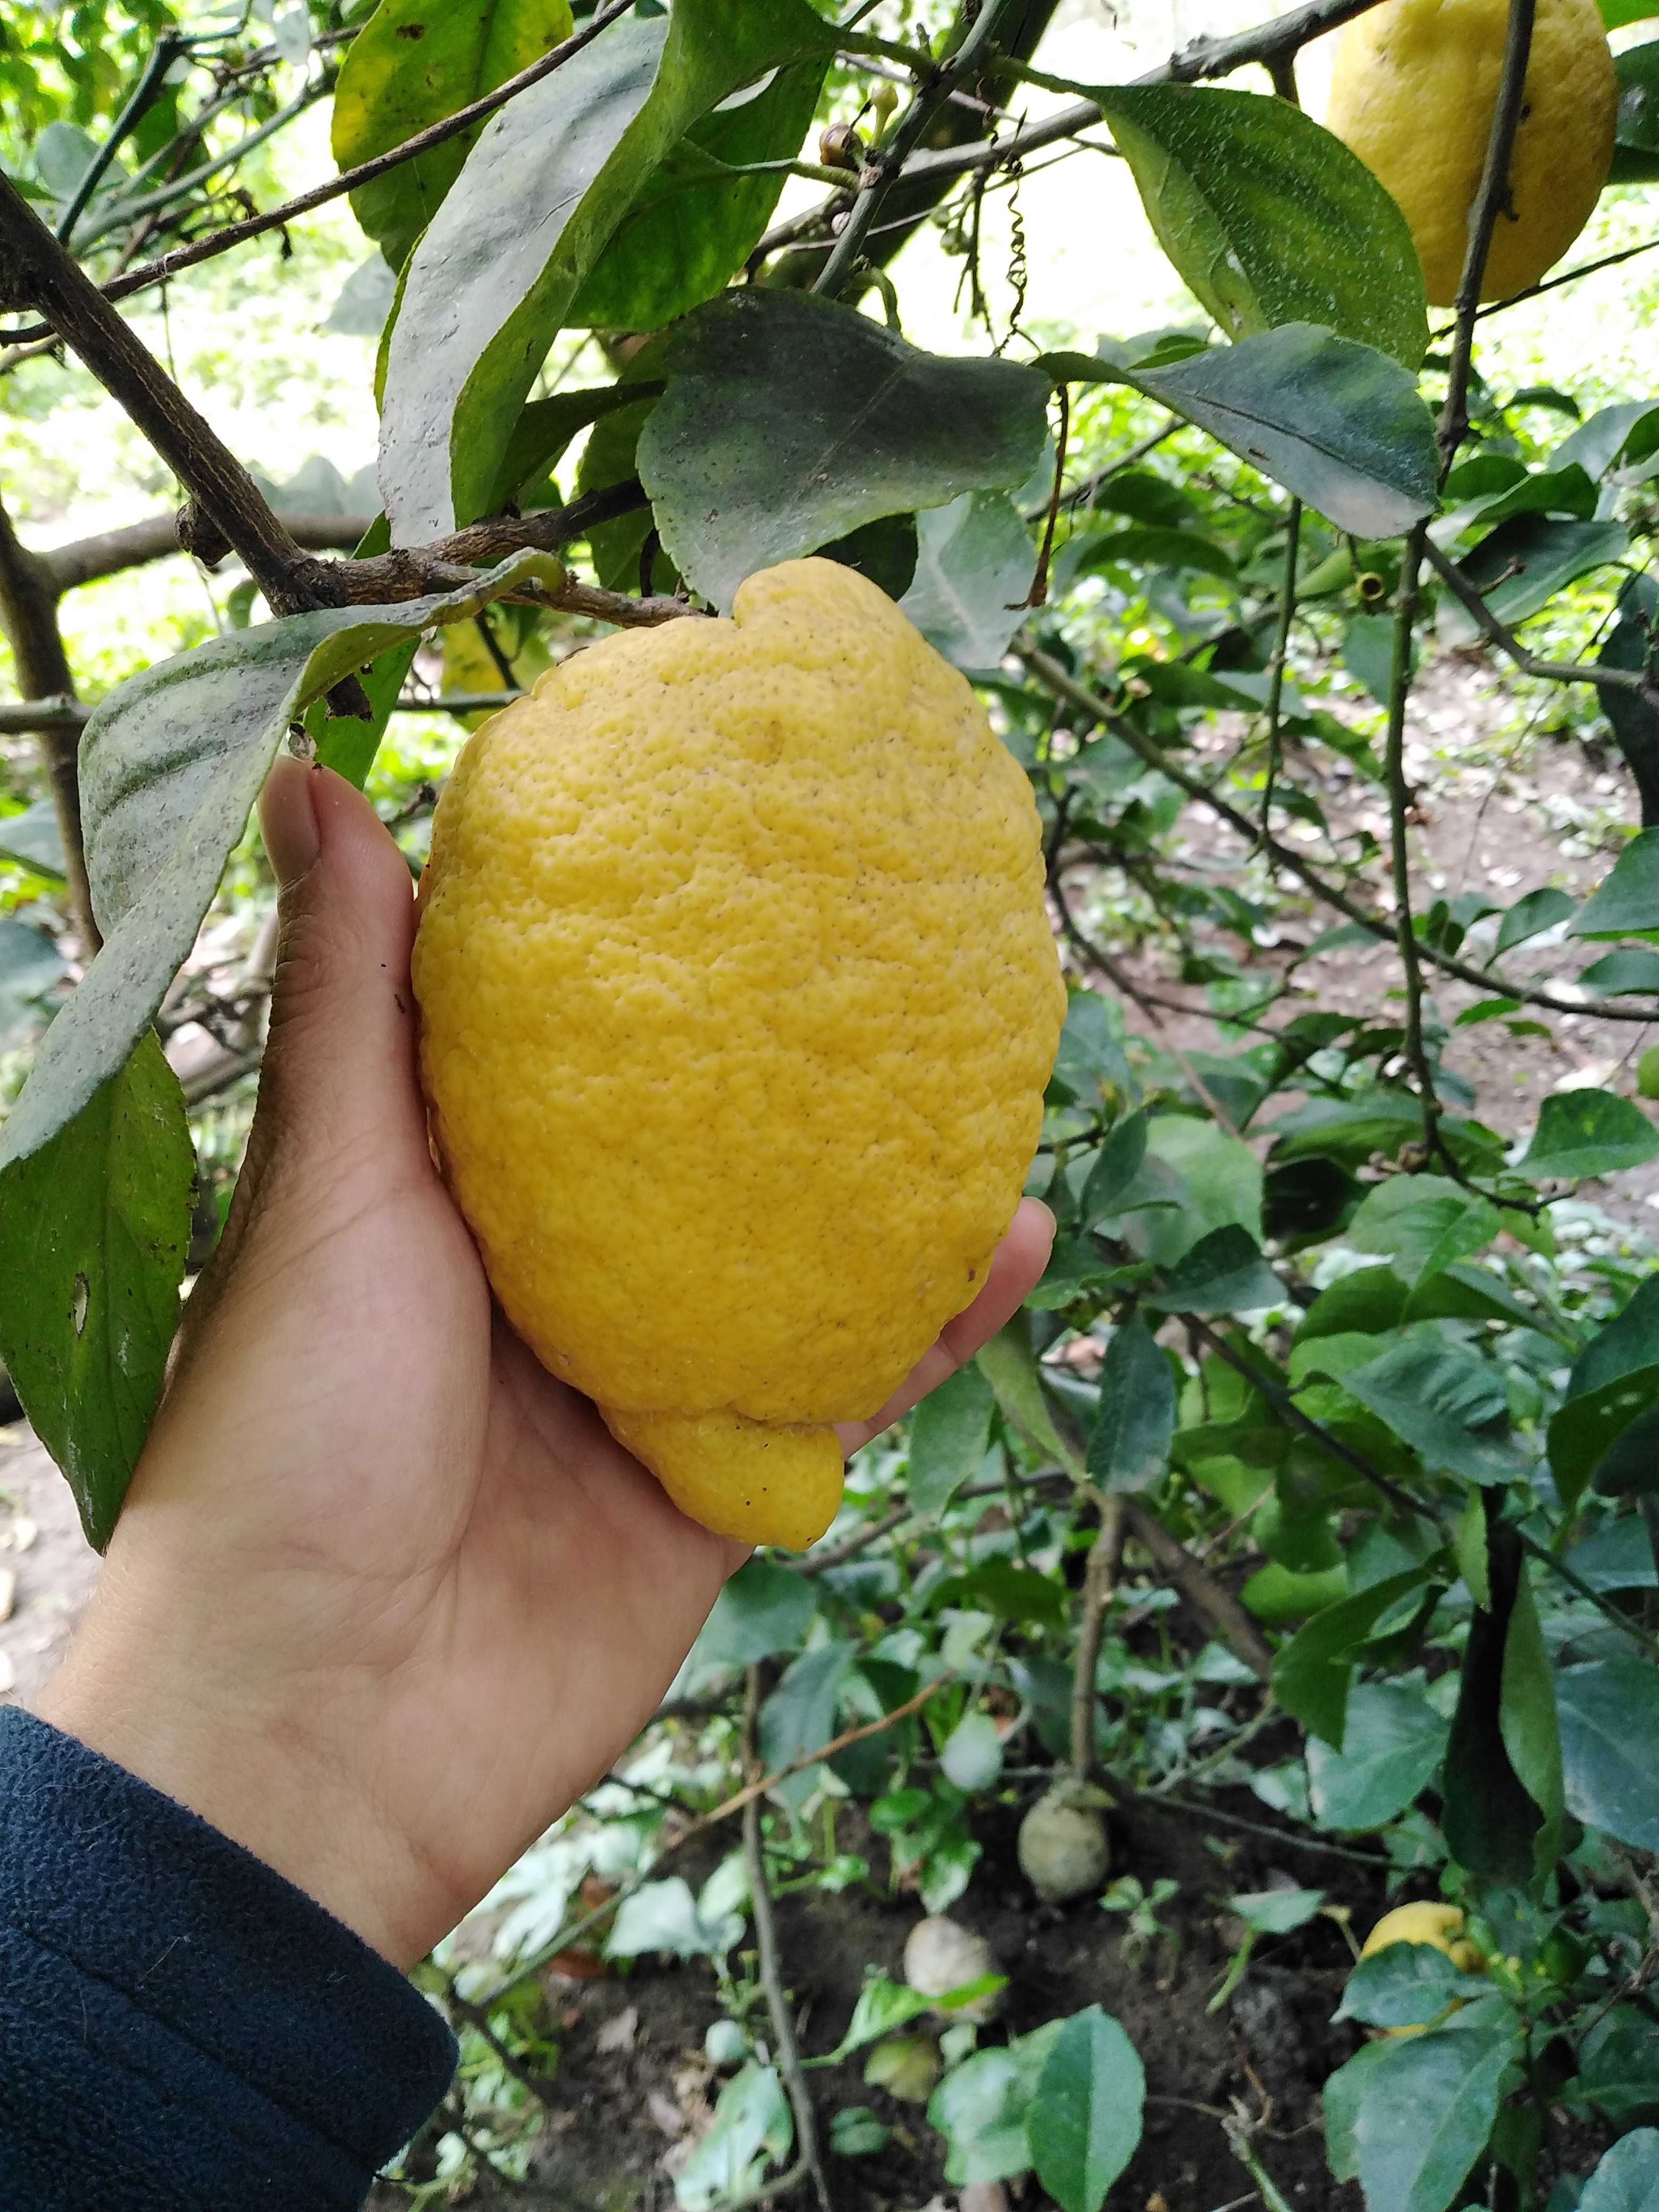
(338, 1088)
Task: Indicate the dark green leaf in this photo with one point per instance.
(1634, 720)
(496, 274)
(1337, 423)
(1313, 1670)
(1588, 1132)
(1596, 443)
(975, 561)
(1393, 1743)
(764, 1609)
(1074, 1270)
(755, 455)
(1528, 1719)
(885, 552)
(1085, 2122)
(1617, 1557)
(1633, 968)
(1520, 566)
(1427, 2112)
(171, 763)
(1010, 1592)
(545, 428)
(800, 1714)
(1627, 903)
(1530, 916)
(1490, 1817)
(1010, 1366)
(1150, 549)
(1566, 488)
(1268, 217)
(980, 2107)
(1130, 1447)
(1277, 1911)
(1340, 2100)
(950, 1431)
(1610, 1747)
(409, 65)
(1636, 136)
(95, 1222)
(1434, 1394)
(1584, 1431)
(693, 222)
(1116, 1167)
(1368, 653)
(1223, 1273)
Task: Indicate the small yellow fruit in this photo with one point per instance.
(1412, 93)
(738, 1000)
(907, 2066)
(1063, 1848)
(1440, 1926)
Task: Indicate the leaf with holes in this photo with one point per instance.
(94, 1227)
(411, 65)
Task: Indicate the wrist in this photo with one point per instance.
(249, 1759)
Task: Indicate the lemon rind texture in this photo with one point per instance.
(1412, 92)
(737, 1001)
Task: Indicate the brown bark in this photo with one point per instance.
(28, 615)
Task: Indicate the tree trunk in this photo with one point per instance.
(28, 615)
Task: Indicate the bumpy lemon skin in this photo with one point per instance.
(738, 1000)
(1412, 93)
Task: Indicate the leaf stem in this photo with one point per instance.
(1281, 648)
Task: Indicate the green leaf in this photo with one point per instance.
(170, 762)
(1635, 133)
(1130, 1447)
(1596, 443)
(1368, 653)
(1588, 1132)
(1433, 1394)
(885, 552)
(1220, 1183)
(1424, 1222)
(410, 66)
(1585, 1429)
(545, 428)
(1627, 903)
(95, 1224)
(1406, 1985)
(1617, 1557)
(1010, 1366)
(1634, 719)
(950, 1431)
(1312, 1672)
(1340, 2100)
(496, 274)
(1528, 1718)
(693, 222)
(1427, 2112)
(1609, 1749)
(1394, 1742)
(1116, 1165)
(800, 1714)
(980, 2107)
(34, 839)
(1491, 1818)
(856, 2132)
(752, 2128)
(1223, 1273)
(1633, 968)
(1337, 423)
(1268, 217)
(789, 422)
(764, 1609)
(1148, 549)
(1519, 568)
(1085, 2122)
(1277, 1911)
(1627, 2178)
(1010, 1592)
(975, 561)
(1530, 916)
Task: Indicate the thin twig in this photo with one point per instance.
(1209, 1598)
(1098, 1579)
(1400, 803)
(1282, 651)
(171, 264)
(770, 1965)
(1059, 680)
(1550, 671)
(168, 49)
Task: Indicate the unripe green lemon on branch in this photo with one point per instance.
(1412, 93)
(738, 1000)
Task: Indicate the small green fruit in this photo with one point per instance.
(1063, 1848)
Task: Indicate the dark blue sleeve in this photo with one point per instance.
(180, 2029)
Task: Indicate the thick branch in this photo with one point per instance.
(112, 552)
(28, 615)
(35, 271)
(1207, 1597)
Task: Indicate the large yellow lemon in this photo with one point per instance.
(738, 1000)
(1412, 93)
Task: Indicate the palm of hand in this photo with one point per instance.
(385, 1597)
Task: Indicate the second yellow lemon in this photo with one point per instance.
(1412, 93)
(738, 1000)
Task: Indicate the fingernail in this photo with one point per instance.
(288, 821)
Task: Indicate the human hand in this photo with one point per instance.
(385, 1597)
